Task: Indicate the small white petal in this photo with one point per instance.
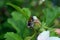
(43, 36)
(54, 38)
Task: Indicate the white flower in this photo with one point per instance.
(54, 38)
(45, 36)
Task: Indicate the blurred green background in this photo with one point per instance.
(14, 15)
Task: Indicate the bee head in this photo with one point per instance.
(32, 20)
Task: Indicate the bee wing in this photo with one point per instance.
(36, 19)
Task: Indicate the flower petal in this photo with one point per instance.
(54, 38)
(43, 36)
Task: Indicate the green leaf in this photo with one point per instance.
(14, 25)
(15, 7)
(17, 16)
(25, 11)
(50, 14)
(19, 23)
(12, 36)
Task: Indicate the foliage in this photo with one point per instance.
(12, 36)
(14, 16)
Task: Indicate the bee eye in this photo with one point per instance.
(29, 23)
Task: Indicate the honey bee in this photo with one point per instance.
(34, 22)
